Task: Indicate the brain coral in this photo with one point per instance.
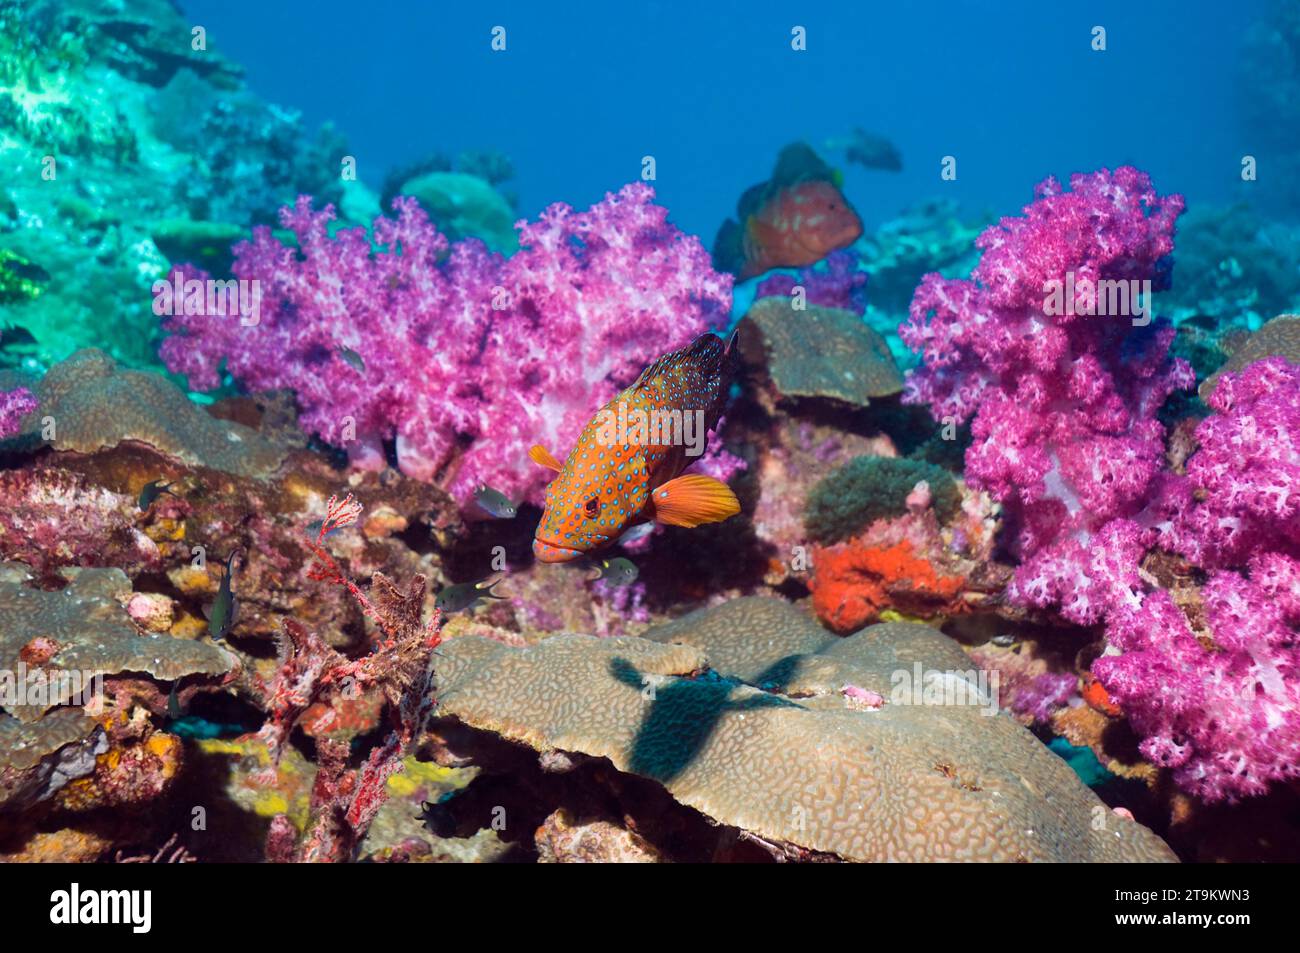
(870, 488)
(804, 766)
(96, 404)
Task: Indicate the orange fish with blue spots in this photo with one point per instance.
(626, 468)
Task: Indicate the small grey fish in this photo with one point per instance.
(27, 270)
(152, 490)
(1201, 322)
(465, 595)
(15, 335)
(314, 528)
(174, 704)
(225, 608)
(635, 533)
(1004, 641)
(352, 359)
(618, 571)
(495, 502)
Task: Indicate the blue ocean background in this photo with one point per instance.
(584, 90)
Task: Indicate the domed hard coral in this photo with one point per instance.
(804, 768)
(1279, 337)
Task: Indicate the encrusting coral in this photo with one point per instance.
(53, 646)
(51, 518)
(14, 406)
(345, 800)
(854, 582)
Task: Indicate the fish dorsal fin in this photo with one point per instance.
(542, 457)
(706, 348)
(798, 162)
(752, 201)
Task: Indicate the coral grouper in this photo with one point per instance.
(626, 467)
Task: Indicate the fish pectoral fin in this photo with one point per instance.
(541, 456)
(693, 500)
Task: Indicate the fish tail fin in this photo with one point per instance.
(694, 499)
(485, 587)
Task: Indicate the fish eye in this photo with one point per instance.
(592, 507)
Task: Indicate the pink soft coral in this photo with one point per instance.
(14, 406)
(1226, 718)
(838, 285)
(1065, 436)
(1247, 469)
(469, 358)
(1064, 404)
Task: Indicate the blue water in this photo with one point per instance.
(713, 90)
